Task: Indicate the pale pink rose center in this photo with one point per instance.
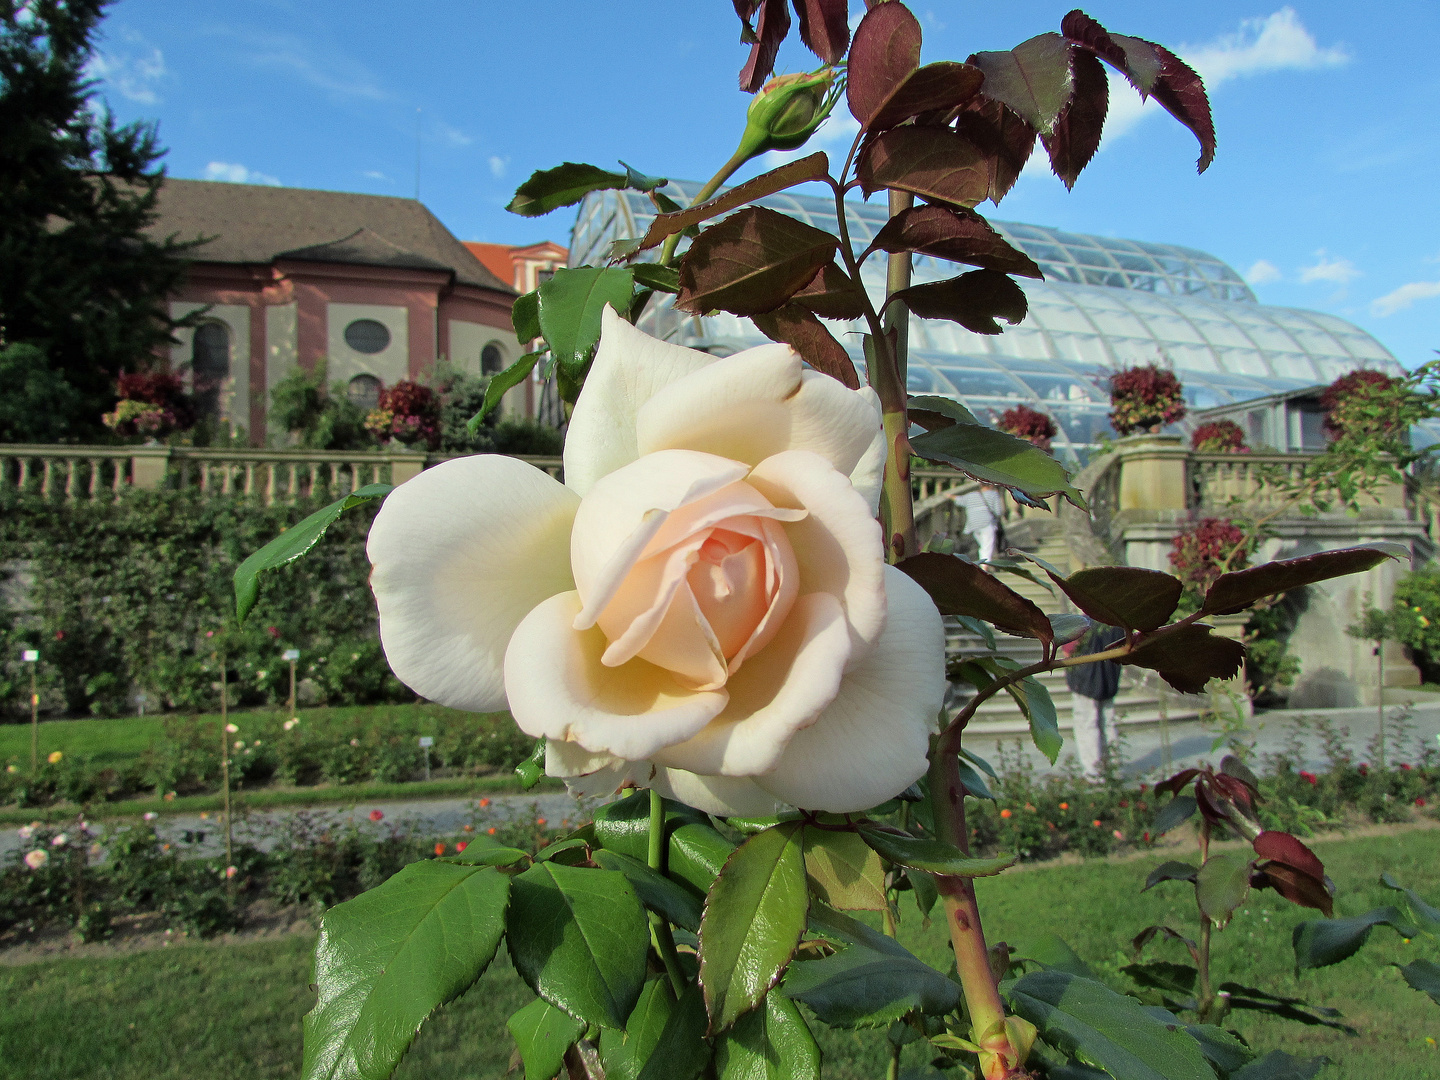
(708, 591)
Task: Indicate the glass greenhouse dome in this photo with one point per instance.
(1105, 303)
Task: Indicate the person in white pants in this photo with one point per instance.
(984, 508)
(1092, 706)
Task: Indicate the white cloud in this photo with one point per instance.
(1337, 270)
(1263, 272)
(1277, 42)
(339, 75)
(375, 174)
(452, 136)
(498, 165)
(1404, 296)
(238, 174)
(132, 70)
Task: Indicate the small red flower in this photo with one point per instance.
(1118, 835)
(273, 631)
(1124, 804)
(491, 830)
(1364, 769)
(439, 849)
(462, 845)
(1420, 801)
(59, 635)
(1404, 766)
(1144, 788)
(1096, 823)
(1064, 806)
(1005, 813)
(1309, 777)
(1147, 836)
(539, 821)
(484, 803)
(377, 815)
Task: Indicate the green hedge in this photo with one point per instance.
(136, 595)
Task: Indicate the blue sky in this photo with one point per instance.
(1324, 191)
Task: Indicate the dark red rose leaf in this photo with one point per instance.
(1231, 765)
(770, 30)
(814, 166)
(798, 327)
(973, 300)
(962, 588)
(1189, 657)
(1003, 138)
(932, 162)
(824, 27)
(1237, 791)
(1209, 809)
(1034, 79)
(751, 262)
(1128, 596)
(1182, 92)
(1282, 847)
(832, 295)
(885, 51)
(1083, 30)
(1077, 131)
(957, 235)
(933, 89)
(1295, 885)
(1235, 592)
(1175, 783)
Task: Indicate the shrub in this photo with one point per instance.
(1219, 437)
(1144, 397)
(1201, 554)
(408, 412)
(152, 404)
(1362, 403)
(318, 419)
(1415, 617)
(1026, 423)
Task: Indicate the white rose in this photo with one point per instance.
(702, 607)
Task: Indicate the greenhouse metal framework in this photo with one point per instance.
(1105, 303)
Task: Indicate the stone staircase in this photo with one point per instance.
(1142, 695)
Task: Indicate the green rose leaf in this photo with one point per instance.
(571, 304)
(655, 276)
(1163, 975)
(963, 588)
(871, 982)
(1039, 711)
(751, 262)
(499, 383)
(974, 300)
(1127, 596)
(932, 412)
(923, 886)
(387, 959)
(1233, 593)
(1278, 1065)
(1323, 942)
(844, 871)
(638, 181)
(682, 1051)
(974, 783)
(814, 167)
(754, 916)
(1424, 976)
(579, 937)
(525, 316)
(1033, 79)
(478, 853)
(532, 769)
(932, 855)
(293, 543)
(770, 1043)
(624, 1053)
(1171, 871)
(932, 162)
(1087, 1020)
(956, 235)
(1189, 657)
(1222, 884)
(1223, 1050)
(697, 851)
(657, 892)
(543, 1033)
(1426, 916)
(564, 185)
(1055, 952)
(994, 457)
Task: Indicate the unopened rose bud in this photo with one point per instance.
(787, 111)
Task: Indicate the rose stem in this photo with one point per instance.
(659, 927)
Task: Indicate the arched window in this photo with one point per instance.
(210, 366)
(364, 391)
(492, 359)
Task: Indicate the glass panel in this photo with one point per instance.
(1293, 365)
(972, 382)
(1085, 348)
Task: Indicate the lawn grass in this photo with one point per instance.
(199, 1010)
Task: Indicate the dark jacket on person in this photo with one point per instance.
(1100, 680)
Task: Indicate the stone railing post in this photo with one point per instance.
(148, 466)
(405, 465)
(1154, 473)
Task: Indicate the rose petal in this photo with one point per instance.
(868, 476)
(461, 554)
(559, 688)
(872, 740)
(723, 796)
(780, 690)
(629, 368)
(758, 403)
(624, 511)
(838, 545)
(592, 776)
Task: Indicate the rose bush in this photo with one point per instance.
(702, 607)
